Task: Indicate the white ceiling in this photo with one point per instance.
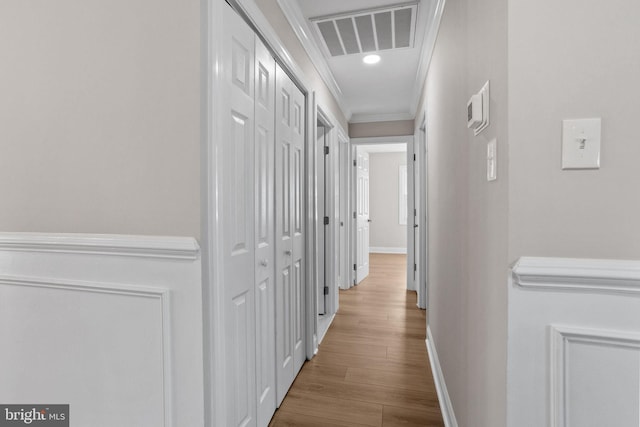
(385, 91)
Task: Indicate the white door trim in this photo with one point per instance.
(398, 139)
(421, 150)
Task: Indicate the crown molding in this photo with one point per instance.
(428, 45)
(302, 30)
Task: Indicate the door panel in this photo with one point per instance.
(237, 217)
(298, 226)
(290, 352)
(363, 216)
(265, 68)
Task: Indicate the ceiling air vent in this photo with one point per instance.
(369, 30)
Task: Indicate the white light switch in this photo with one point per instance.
(492, 160)
(581, 144)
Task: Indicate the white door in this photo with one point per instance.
(265, 68)
(362, 194)
(238, 218)
(290, 352)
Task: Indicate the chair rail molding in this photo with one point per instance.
(580, 275)
(102, 244)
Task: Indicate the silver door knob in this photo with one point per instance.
(264, 263)
(287, 252)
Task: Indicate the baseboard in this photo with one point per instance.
(382, 250)
(323, 327)
(443, 395)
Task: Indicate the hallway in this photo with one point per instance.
(372, 367)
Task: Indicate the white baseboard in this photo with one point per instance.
(443, 395)
(382, 250)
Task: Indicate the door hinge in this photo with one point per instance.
(326, 220)
(414, 157)
(415, 212)
(326, 290)
(355, 215)
(326, 150)
(415, 267)
(355, 267)
(354, 163)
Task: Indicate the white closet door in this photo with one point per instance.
(289, 151)
(265, 68)
(362, 193)
(237, 215)
(297, 191)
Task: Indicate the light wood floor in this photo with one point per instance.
(372, 367)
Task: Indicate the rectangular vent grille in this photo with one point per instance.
(368, 30)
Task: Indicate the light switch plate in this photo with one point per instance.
(492, 160)
(581, 143)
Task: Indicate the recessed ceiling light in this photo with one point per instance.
(371, 59)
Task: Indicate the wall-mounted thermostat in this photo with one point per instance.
(478, 110)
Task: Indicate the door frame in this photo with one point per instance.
(335, 136)
(212, 113)
(402, 139)
(422, 156)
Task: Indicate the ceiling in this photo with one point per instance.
(389, 90)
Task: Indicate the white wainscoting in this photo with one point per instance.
(574, 343)
(111, 325)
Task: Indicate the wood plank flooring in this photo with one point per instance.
(372, 367)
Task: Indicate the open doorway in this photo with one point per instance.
(385, 200)
(332, 225)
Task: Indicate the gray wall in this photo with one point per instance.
(468, 215)
(479, 229)
(384, 184)
(375, 129)
(100, 116)
(591, 213)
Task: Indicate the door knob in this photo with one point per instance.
(287, 252)
(415, 226)
(368, 220)
(264, 263)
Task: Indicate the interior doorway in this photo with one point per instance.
(382, 201)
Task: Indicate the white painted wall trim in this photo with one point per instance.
(443, 395)
(294, 15)
(383, 250)
(560, 339)
(139, 246)
(42, 273)
(428, 45)
(569, 320)
(580, 275)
